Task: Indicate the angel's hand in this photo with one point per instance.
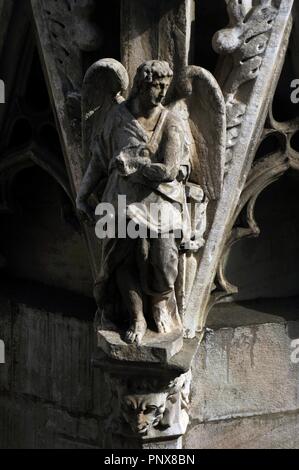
(143, 162)
(121, 164)
(127, 166)
(85, 212)
(140, 165)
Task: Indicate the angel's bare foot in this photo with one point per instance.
(136, 332)
(163, 320)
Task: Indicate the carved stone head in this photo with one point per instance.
(151, 82)
(144, 412)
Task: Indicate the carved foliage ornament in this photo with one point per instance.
(244, 42)
(249, 73)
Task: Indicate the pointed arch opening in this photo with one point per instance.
(41, 243)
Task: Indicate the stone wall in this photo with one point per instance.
(47, 384)
(245, 389)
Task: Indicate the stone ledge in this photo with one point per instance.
(153, 349)
(279, 431)
(242, 371)
(179, 364)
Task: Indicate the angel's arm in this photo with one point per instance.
(172, 150)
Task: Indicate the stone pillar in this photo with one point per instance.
(156, 29)
(149, 384)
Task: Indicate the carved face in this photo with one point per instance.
(144, 412)
(152, 94)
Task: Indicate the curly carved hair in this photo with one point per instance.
(148, 72)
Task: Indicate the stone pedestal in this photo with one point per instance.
(153, 348)
(149, 398)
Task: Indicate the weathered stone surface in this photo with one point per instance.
(52, 358)
(20, 423)
(153, 348)
(261, 432)
(62, 423)
(164, 445)
(48, 360)
(156, 29)
(101, 395)
(28, 424)
(244, 371)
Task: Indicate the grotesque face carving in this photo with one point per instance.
(144, 412)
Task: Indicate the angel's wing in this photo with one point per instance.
(103, 85)
(207, 120)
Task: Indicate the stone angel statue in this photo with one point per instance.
(162, 148)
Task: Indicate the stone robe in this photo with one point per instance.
(154, 260)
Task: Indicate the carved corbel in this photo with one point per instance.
(148, 410)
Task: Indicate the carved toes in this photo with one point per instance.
(136, 333)
(163, 321)
(163, 327)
